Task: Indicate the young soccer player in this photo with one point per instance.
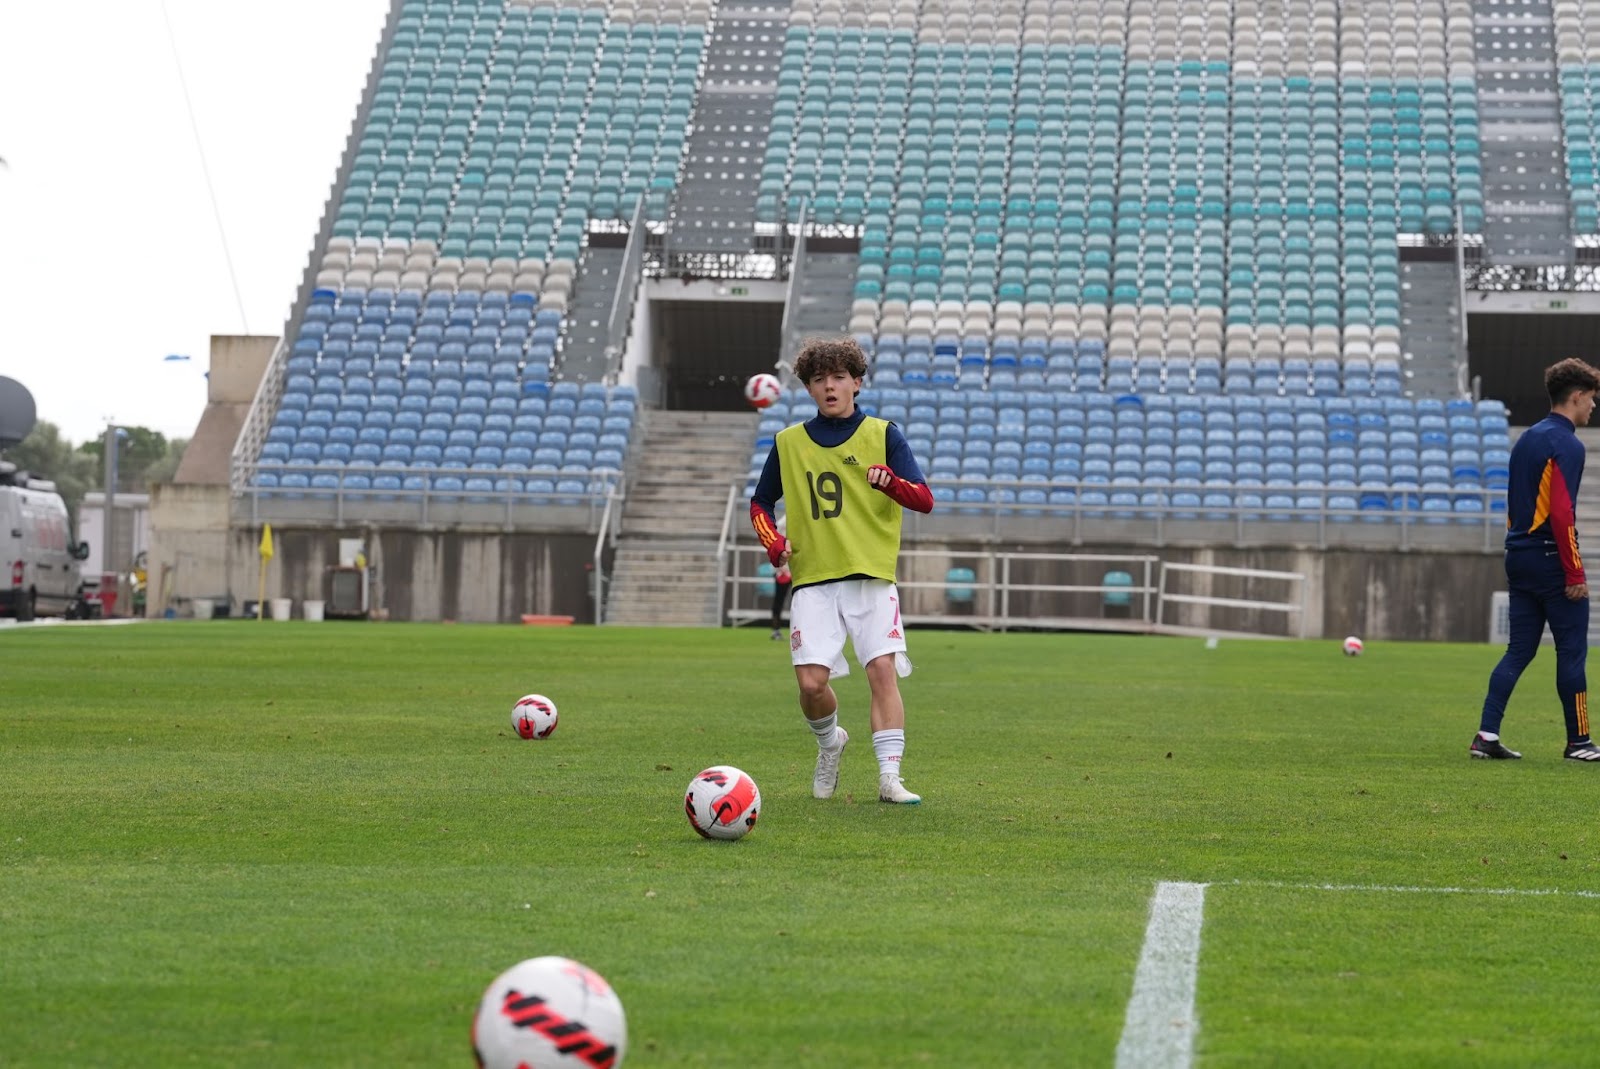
(1543, 569)
(845, 477)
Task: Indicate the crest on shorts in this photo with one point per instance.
(794, 639)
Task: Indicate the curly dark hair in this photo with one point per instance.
(1562, 380)
(823, 356)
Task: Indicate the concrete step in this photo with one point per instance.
(654, 575)
(707, 509)
(666, 572)
(673, 519)
(690, 596)
(695, 475)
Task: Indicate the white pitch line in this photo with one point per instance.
(1552, 892)
(1161, 1025)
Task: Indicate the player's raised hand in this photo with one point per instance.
(778, 551)
(879, 477)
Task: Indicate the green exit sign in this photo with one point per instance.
(1558, 304)
(739, 291)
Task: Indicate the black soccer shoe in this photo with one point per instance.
(1494, 751)
(1582, 751)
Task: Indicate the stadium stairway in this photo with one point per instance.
(583, 357)
(1588, 504)
(827, 288)
(665, 570)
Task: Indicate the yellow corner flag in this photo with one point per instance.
(266, 555)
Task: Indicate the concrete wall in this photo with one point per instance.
(479, 577)
(190, 546)
(237, 363)
(497, 576)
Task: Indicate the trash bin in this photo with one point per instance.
(958, 585)
(281, 608)
(313, 610)
(204, 608)
(1118, 603)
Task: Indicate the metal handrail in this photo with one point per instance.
(1408, 515)
(599, 558)
(791, 300)
(263, 407)
(1163, 596)
(620, 322)
(724, 537)
(996, 588)
(612, 479)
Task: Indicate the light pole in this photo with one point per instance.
(114, 436)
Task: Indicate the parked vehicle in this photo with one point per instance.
(39, 562)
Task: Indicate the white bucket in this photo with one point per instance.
(204, 608)
(281, 608)
(313, 609)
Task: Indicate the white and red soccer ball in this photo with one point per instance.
(762, 390)
(722, 802)
(534, 717)
(550, 1013)
(1352, 647)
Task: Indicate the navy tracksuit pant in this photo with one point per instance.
(1538, 596)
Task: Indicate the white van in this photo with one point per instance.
(39, 572)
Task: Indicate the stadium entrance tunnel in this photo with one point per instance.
(705, 350)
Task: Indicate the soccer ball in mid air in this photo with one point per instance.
(722, 802)
(549, 1013)
(1352, 647)
(762, 390)
(534, 717)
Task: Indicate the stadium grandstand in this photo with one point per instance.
(1142, 274)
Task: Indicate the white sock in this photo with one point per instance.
(1489, 736)
(890, 746)
(826, 730)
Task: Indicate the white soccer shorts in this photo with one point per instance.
(867, 611)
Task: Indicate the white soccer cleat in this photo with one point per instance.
(827, 775)
(892, 789)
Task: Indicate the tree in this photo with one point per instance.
(164, 467)
(46, 455)
(145, 457)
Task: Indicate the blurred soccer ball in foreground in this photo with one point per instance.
(1352, 647)
(549, 1013)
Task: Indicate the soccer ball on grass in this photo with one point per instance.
(762, 390)
(722, 802)
(1352, 647)
(534, 717)
(549, 1013)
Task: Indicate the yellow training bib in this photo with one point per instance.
(838, 524)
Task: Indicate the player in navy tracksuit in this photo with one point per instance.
(1543, 568)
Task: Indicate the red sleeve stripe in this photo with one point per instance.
(766, 531)
(1563, 524)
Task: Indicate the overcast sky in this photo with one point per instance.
(110, 253)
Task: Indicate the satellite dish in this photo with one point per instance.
(17, 412)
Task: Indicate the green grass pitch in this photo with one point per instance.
(307, 845)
